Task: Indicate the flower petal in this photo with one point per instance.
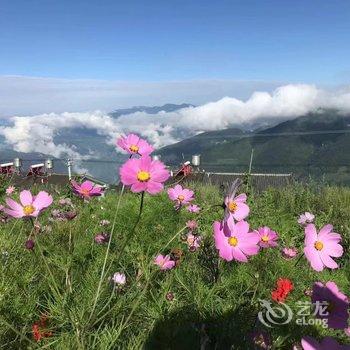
(314, 258)
(310, 234)
(26, 198)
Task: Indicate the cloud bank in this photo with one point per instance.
(37, 133)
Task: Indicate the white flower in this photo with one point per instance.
(119, 278)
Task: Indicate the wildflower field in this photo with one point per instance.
(174, 266)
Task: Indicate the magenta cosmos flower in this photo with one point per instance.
(144, 174)
(135, 145)
(87, 189)
(164, 262)
(268, 238)
(181, 196)
(234, 241)
(306, 218)
(320, 247)
(337, 304)
(236, 207)
(328, 343)
(29, 206)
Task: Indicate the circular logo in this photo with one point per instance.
(271, 316)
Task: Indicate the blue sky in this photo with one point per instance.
(163, 40)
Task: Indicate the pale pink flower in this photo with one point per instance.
(306, 218)
(193, 208)
(133, 144)
(268, 238)
(29, 206)
(164, 262)
(87, 189)
(321, 247)
(118, 278)
(102, 238)
(234, 241)
(10, 190)
(192, 224)
(236, 207)
(144, 174)
(181, 196)
(347, 331)
(289, 253)
(65, 201)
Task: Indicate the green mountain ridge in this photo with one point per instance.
(317, 144)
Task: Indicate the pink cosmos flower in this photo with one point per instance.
(135, 145)
(306, 218)
(289, 253)
(144, 174)
(193, 208)
(29, 206)
(181, 196)
(327, 343)
(234, 241)
(10, 190)
(347, 331)
(336, 302)
(164, 262)
(118, 278)
(320, 247)
(87, 189)
(268, 238)
(236, 207)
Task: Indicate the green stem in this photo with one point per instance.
(126, 240)
(154, 272)
(130, 236)
(106, 256)
(297, 262)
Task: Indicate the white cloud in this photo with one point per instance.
(36, 133)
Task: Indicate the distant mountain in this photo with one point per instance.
(317, 144)
(169, 107)
(86, 142)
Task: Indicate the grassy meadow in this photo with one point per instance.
(203, 303)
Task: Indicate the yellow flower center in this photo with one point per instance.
(233, 241)
(319, 245)
(181, 198)
(134, 148)
(28, 209)
(85, 192)
(265, 238)
(232, 207)
(143, 176)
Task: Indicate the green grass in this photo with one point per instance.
(213, 299)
